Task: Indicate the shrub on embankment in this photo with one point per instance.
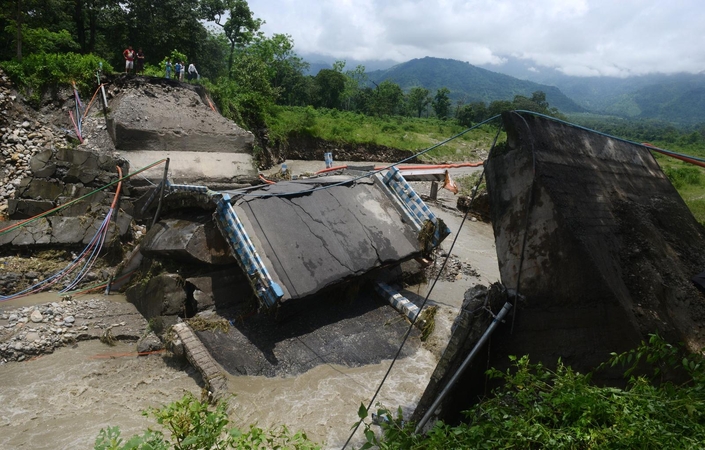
(662, 406)
(39, 73)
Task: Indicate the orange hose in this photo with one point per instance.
(331, 169)
(75, 127)
(46, 213)
(85, 113)
(682, 158)
(210, 103)
(117, 191)
(112, 207)
(416, 167)
(261, 177)
(435, 166)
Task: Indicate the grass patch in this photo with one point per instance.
(467, 183)
(689, 181)
(213, 325)
(404, 133)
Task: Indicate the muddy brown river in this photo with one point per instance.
(62, 400)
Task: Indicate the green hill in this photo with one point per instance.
(676, 98)
(468, 83)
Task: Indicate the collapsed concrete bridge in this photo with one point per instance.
(294, 239)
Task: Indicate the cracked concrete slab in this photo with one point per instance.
(313, 239)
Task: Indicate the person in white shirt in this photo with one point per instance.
(192, 72)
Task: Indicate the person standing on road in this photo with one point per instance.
(177, 70)
(183, 71)
(168, 69)
(192, 72)
(129, 56)
(139, 68)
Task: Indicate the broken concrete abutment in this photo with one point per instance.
(591, 231)
(598, 242)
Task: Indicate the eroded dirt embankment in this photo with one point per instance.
(302, 146)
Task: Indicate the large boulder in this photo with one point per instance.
(162, 295)
(195, 240)
(63, 231)
(153, 118)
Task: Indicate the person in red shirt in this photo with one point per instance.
(129, 55)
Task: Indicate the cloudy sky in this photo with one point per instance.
(577, 37)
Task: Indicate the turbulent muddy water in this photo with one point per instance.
(62, 400)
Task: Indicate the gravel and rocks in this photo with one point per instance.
(21, 137)
(454, 270)
(30, 331)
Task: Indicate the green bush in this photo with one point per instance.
(539, 408)
(38, 72)
(193, 425)
(683, 176)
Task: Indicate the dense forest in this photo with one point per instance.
(248, 73)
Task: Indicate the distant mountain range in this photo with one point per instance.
(468, 83)
(678, 98)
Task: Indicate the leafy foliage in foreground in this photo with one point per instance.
(40, 71)
(192, 425)
(540, 408)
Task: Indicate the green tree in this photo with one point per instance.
(387, 99)
(418, 99)
(286, 69)
(441, 103)
(539, 97)
(498, 106)
(355, 82)
(330, 85)
(240, 27)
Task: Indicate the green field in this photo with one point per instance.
(405, 133)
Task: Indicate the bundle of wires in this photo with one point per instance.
(84, 262)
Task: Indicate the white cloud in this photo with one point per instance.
(578, 37)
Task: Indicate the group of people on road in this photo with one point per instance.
(180, 71)
(134, 60)
(134, 63)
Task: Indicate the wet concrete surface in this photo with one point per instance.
(349, 327)
(356, 332)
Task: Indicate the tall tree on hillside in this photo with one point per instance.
(32, 20)
(329, 88)
(498, 106)
(240, 27)
(285, 69)
(18, 26)
(161, 26)
(387, 99)
(418, 99)
(441, 103)
(90, 17)
(356, 80)
(539, 97)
